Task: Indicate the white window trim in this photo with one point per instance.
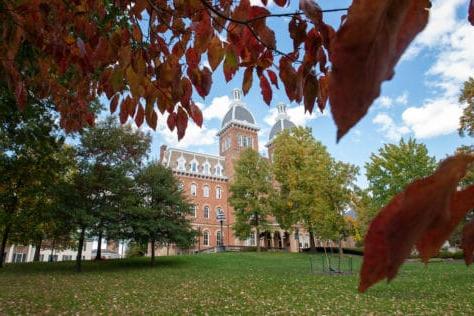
(204, 242)
(193, 192)
(205, 192)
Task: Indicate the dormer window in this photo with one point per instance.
(219, 170)
(207, 168)
(194, 165)
(181, 164)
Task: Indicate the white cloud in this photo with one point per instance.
(391, 130)
(217, 109)
(434, 118)
(297, 115)
(402, 99)
(385, 102)
(451, 43)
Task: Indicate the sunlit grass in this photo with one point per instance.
(236, 283)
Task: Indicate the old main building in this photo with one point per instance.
(206, 180)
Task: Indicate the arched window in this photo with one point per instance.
(194, 165)
(181, 164)
(193, 210)
(218, 211)
(205, 238)
(206, 211)
(218, 170)
(219, 238)
(207, 168)
(205, 191)
(193, 189)
(218, 193)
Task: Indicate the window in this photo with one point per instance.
(226, 144)
(206, 211)
(193, 189)
(219, 238)
(193, 210)
(207, 168)
(41, 258)
(181, 164)
(252, 239)
(205, 191)
(218, 193)
(194, 165)
(245, 141)
(19, 257)
(67, 257)
(205, 238)
(54, 258)
(180, 186)
(219, 170)
(218, 211)
(84, 247)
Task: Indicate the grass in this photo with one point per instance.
(229, 283)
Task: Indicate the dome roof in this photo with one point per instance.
(283, 122)
(279, 126)
(238, 112)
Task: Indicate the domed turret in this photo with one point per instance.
(238, 112)
(283, 122)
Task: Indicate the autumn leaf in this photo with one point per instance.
(365, 50)
(323, 92)
(280, 3)
(114, 103)
(181, 122)
(434, 238)
(230, 64)
(312, 10)
(215, 52)
(265, 89)
(273, 78)
(467, 243)
(310, 91)
(424, 204)
(139, 117)
(196, 114)
(248, 78)
(171, 121)
(20, 94)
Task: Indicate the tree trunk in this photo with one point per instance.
(79, 250)
(3, 246)
(257, 229)
(153, 252)
(52, 251)
(98, 256)
(312, 244)
(36, 256)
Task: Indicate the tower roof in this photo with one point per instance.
(283, 122)
(238, 113)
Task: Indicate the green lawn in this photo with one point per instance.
(231, 283)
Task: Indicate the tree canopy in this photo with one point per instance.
(467, 119)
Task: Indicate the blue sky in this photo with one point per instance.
(420, 101)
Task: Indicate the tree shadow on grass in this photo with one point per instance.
(91, 266)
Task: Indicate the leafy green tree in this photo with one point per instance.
(301, 169)
(109, 155)
(394, 167)
(467, 118)
(251, 190)
(160, 215)
(30, 146)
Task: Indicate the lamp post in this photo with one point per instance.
(220, 218)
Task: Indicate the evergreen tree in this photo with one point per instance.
(250, 190)
(467, 119)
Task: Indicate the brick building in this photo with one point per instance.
(206, 180)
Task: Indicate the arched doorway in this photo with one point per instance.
(277, 241)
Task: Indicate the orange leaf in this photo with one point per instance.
(171, 121)
(151, 118)
(323, 92)
(196, 114)
(467, 243)
(425, 203)
(215, 52)
(248, 78)
(230, 64)
(192, 57)
(266, 89)
(137, 33)
(181, 123)
(365, 50)
(434, 238)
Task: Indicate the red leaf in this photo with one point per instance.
(425, 203)
(273, 78)
(114, 103)
(192, 57)
(471, 12)
(288, 76)
(266, 89)
(139, 116)
(171, 121)
(364, 52)
(248, 78)
(312, 10)
(281, 3)
(310, 92)
(215, 52)
(467, 243)
(151, 118)
(187, 91)
(297, 29)
(196, 114)
(137, 33)
(181, 123)
(323, 92)
(230, 64)
(123, 111)
(432, 240)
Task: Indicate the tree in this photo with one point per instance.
(394, 167)
(160, 217)
(108, 155)
(31, 161)
(251, 190)
(314, 189)
(467, 118)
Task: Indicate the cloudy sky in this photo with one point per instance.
(421, 100)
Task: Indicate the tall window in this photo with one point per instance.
(207, 168)
(193, 189)
(206, 211)
(193, 210)
(218, 211)
(194, 166)
(205, 238)
(226, 144)
(205, 191)
(181, 164)
(252, 239)
(219, 238)
(218, 193)
(219, 170)
(245, 141)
